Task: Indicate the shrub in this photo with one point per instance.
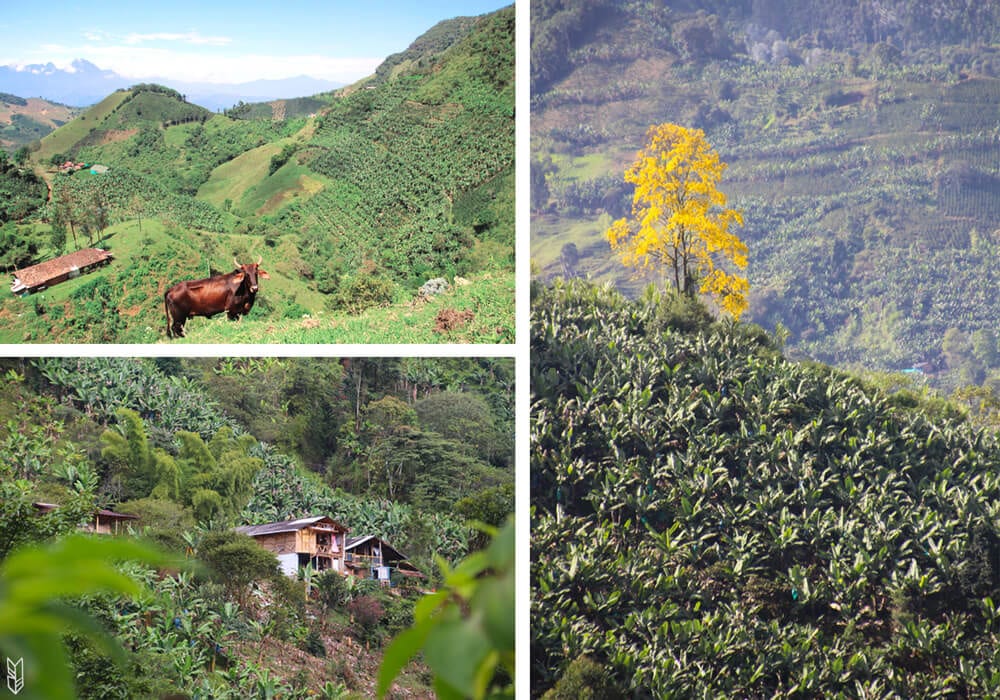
(584, 679)
(237, 561)
(355, 294)
(313, 643)
(332, 589)
(366, 612)
(295, 310)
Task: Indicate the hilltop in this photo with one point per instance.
(355, 198)
(861, 149)
(711, 519)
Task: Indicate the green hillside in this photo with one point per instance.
(183, 446)
(26, 120)
(713, 520)
(355, 198)
(62, 140)
(861, 149)
(123, 302)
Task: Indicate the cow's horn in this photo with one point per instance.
(260, 259)
(236, 262)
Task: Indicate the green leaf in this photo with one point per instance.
(455, 651)
(493, 598)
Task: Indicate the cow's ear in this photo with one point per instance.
(239, 277)
(263, 274)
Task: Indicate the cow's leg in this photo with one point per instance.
(179, 326)
(166, 308)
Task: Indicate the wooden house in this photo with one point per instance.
(45, 274)
(104, 522)
(108, 522)
(318, 540)
(372, 557)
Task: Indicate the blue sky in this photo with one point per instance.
(227, 41)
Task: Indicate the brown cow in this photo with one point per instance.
(233, 292)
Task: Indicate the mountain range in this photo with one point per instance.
(83, 84)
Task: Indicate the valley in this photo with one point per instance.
(866, 174)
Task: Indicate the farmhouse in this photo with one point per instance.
(70, 167)
(105, 522)
(372, 557)
(323, 543)
(38, 277)
(317, 540)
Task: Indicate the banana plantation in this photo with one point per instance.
(713, 520)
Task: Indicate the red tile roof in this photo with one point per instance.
(42, 273)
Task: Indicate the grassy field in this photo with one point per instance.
(480, 312)
(231, 180)
(288, 310)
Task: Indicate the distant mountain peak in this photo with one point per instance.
(82, 83)
(82, 65)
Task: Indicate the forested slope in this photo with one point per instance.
(712, 519)
(861, 143)
(406, 450)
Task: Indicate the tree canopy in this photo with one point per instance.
(679, 218)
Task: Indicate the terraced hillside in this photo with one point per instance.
(713, 520)
(866, 165)
(25, 120)
(359, 196)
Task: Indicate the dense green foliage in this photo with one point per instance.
(21, 192)
(38, 624)
(181, 438)
(710, 519)
(93, 202)
(395, 204)
(466, 628)
(427, 47)
(861, 142)
(558, 25)
(175, 441)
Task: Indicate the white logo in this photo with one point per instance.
(15, 675)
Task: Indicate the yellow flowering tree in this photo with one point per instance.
(680, 222)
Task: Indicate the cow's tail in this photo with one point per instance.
(166, 309)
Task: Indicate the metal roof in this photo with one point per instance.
(286, 526)
(387, 549)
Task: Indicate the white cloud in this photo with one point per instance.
(190, 61)
(192, 66)
(187, 38)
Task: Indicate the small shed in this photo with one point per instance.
(105, 522)
(372, 557)
(45, 274)
(317, 540)
(108, 522)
